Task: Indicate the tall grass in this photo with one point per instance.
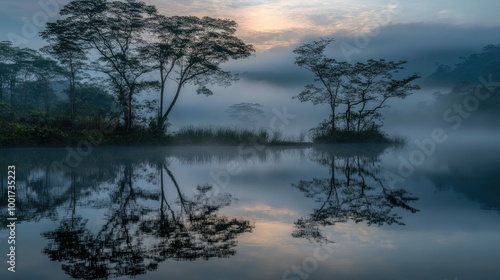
(191, 135)
(219, 136)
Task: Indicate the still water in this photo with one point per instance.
(349, 212)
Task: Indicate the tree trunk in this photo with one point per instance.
(160, 123)
(332, 121)
(165, 116)
(72, 94)
(123, 103)
(129, 109)
(12, 87)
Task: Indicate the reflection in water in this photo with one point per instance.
(142, 226)
(122, 212)
(472, 172)
(355, 190)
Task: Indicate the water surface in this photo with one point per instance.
(254, 213)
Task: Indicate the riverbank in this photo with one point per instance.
(36, 135)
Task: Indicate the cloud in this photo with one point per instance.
(267, 210)
(260, 20)
(422, 45)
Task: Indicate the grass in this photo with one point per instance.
(210, 135)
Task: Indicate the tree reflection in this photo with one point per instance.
(355, 191)
(143, 227)
(195, 230)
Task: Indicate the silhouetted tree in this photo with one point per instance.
(188, 49)
(328, 76)
(362, 89)
(69, 54)
(246, 112)
(115, 32)
(27, 76)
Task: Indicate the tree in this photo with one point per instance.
(14, 63)
(328, 76)
(190, 50)
(131, 39)
(71, 57)
(45, 72)
(245, 112)
(362, 89)
(115, 32)
(28, 76)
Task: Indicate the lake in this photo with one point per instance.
(251, 212)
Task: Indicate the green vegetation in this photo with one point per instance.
(59, 132)
(210, 135)
(134, 41)
(467, 71)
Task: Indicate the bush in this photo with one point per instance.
(323, 134)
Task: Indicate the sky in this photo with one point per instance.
(422, 32)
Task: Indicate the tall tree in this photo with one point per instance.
(14, 63)
(24, 72)
(246, 113)
(70, 55)
(190, 50)
(328, 76)
(114, 31)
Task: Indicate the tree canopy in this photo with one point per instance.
(359, 89)
(130, 39)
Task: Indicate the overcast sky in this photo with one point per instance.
(421, 32)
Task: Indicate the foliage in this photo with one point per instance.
(26, 78)
(114, 31)
(247, 113)
(190, 50)
(469, 69)
(14, 133)
(131, 39)
(360, 90)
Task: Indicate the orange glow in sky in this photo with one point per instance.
(272, 23)
(268, 24)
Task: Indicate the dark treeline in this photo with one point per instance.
(475, 87)
(129, 48)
